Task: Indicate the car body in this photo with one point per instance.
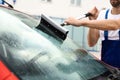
(34, 54)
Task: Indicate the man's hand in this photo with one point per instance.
(72, 21)
(76, 22)
(94, 13)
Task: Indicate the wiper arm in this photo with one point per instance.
(9, 5)
(115, 74)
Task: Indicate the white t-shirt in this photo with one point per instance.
(112, 34)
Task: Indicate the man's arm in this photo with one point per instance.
(102, 24)
(109, 24)
(93, 36)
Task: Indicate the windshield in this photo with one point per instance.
(36, 55)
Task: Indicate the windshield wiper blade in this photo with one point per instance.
(115, 72)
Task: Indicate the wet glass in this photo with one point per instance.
(34, 55)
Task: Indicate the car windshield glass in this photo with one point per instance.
(27, 19)
(34, 55)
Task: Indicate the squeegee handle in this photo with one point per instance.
(86, 15)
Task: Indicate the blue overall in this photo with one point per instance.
(110, 49)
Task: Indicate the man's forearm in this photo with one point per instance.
(102, 24)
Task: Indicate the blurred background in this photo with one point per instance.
(59, 10)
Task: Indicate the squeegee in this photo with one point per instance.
(50, 27)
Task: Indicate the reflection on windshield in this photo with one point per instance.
(37, 56)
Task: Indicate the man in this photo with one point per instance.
(107, 27)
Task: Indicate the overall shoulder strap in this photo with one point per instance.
(106, 14)
(106, 32)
